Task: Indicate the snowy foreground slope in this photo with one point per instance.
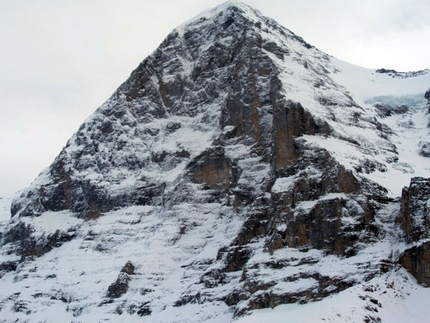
(239, 174)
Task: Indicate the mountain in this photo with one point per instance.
(238, 169)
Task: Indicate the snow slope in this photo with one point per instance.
(170, 251)
(408, 130)
(393, 298)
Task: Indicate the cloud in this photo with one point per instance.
(405, 16)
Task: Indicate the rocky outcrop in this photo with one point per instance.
(415, 209)
(386, 110)
(415, 218)
(120, 286)
(324, 226)
(290, 121)
(214, 170)
(417, 261)
(425, 145)
(28, 243)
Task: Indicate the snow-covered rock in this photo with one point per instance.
(238, 168)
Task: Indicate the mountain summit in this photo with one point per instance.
(238, 168)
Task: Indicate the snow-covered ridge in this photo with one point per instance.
(394, 73)
(365, 84)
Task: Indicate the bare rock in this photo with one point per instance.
(415, 209)
(417, 261)
(120, 286)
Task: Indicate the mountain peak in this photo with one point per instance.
(232, 171)
(226, 6)
(223, 15)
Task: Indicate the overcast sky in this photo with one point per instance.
(60, 60)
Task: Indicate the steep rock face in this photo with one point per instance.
(415, 211)
(415, 218)
(427, 96)
(184, 83)
(425, 144)
(232, 168)
(291, 120)
(417, 261)
(214, 170)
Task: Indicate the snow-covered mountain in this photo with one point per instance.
(238, 169)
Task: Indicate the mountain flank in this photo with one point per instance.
(237, 169)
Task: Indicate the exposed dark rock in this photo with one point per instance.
(291, 120)
(415, 220)
(322, 227)
(402, 75)
(425, 145)
(21, 306)
(120, 286)
(427, 96)
(425, 150)
(144, 310)
(29, 245)
(237, 258)
(370, 166)
(214, 170)
(384, 71)
(259, 296)
(415, 211)
(386, 110)
(213, 278)
(256, 226)
(314, 175)
(198, 298)
(417, 261)
(275, 49)
(236, 296)
(8, 266)
(128, 268)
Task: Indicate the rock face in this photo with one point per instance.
(233, 169)
(417, 261)
(415, 218)
(425, 144)
(120, 286)
(415, 209)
